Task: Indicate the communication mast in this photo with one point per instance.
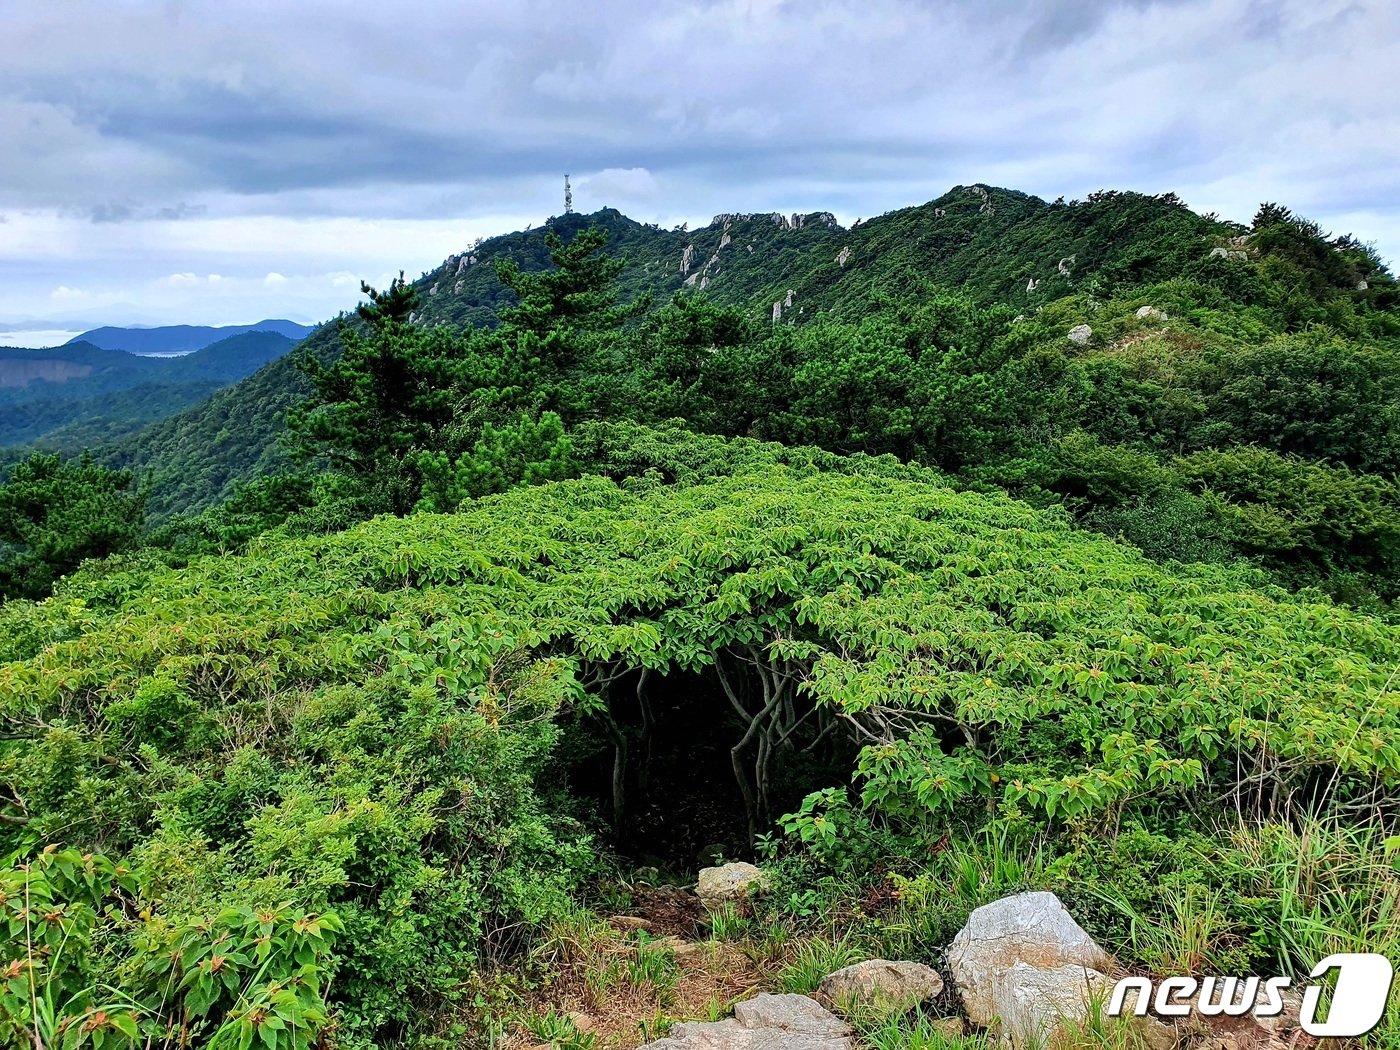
(568, 197)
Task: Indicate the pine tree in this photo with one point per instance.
(387, 396)
(54, 515)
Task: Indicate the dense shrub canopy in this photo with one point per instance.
(361, 721)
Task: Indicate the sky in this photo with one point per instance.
(222, 162)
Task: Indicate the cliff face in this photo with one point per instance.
(20, 373)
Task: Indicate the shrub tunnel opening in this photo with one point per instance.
(684, 765)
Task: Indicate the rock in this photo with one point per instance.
(1149, 313)
(1031, 928)
(842, 256)
(680, 947)
(1066, 265)
(687, 257)
(1361, 286)
(582, 1021)
(881, 984)
(628, 922)
(1030, 285)
(1080, 334)
(765, 1022)
(1031, 1001)
(1023, 965)
(729, 881)
(792, 1013)
(1219, 253)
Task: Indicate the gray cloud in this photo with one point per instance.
(140, 117)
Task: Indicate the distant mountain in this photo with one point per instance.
(183, 338)
(79, 395)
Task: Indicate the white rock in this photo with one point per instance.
(1031, 928)
(1219, 253)
(1149, 313)
(1023, 965)
(1080, 334)
(729, 881)
(1032, 1001)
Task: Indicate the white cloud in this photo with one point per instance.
(322, 138)
(620, 186)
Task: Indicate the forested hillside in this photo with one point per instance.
(993, 247)
(390, 695)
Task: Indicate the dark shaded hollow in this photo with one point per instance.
(681, 798)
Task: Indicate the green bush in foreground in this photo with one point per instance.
(363, 723)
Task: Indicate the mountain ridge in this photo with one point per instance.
(68, 397)
(994, 245)
(144, 340)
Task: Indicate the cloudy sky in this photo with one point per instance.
(220, 162)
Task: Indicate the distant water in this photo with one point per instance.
(37, 337)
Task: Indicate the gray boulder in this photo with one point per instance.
(1080, 334)
(1023, 966)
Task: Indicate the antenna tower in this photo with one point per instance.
(568, 197)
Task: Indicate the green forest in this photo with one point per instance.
(987, 545)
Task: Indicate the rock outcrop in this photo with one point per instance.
(1149, 313)
(1080, 334)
